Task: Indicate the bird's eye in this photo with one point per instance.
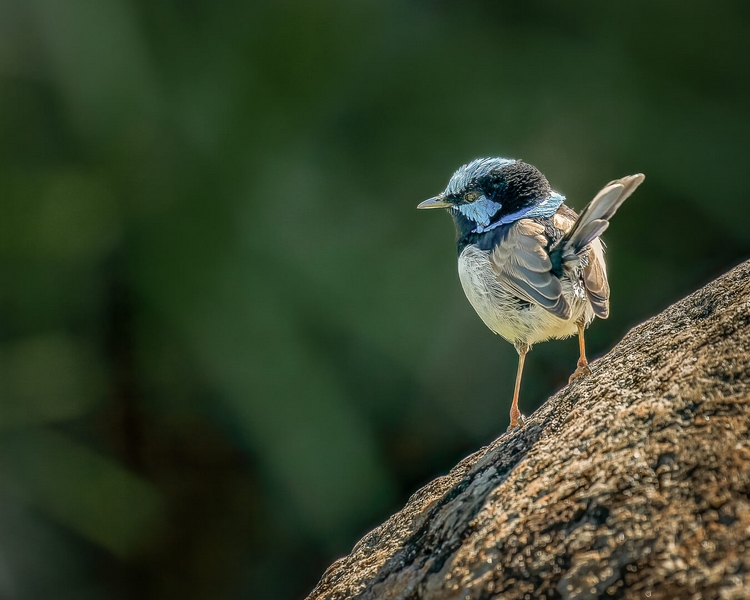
(471, 196)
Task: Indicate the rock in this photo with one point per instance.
(633, 482)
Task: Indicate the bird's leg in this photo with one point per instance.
(583, 364)
(516, 418)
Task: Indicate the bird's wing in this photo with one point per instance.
(594, 271)
(594, 276)
(522, 265)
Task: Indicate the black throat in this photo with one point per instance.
(487, 240)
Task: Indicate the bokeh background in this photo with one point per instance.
(229, 344)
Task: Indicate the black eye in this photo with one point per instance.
(471, 196)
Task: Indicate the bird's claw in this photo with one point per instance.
(517, 422)
(579, 372)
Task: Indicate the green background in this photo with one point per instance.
(229, 344)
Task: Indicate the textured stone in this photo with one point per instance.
(633, 482)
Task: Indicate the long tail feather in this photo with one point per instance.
(594, 219)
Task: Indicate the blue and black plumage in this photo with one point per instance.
(529, 265)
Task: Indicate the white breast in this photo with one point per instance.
(504, 314)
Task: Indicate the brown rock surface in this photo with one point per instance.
(633, 482)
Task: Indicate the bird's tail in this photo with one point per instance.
(594, 219)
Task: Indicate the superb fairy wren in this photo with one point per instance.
(530, 266)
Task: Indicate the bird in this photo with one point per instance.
(532, 268)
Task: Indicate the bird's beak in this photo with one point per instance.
(436, 202)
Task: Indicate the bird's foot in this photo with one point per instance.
(583, 369)
(517, 421)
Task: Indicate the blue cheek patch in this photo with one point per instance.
(481, 212)
(546, 208)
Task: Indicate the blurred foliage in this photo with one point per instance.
(229, 345)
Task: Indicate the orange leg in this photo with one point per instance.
(516, 418)
(583, 364)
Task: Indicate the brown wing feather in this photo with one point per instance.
(594, 276)
(522, 265)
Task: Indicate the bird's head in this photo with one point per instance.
(488, 192)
